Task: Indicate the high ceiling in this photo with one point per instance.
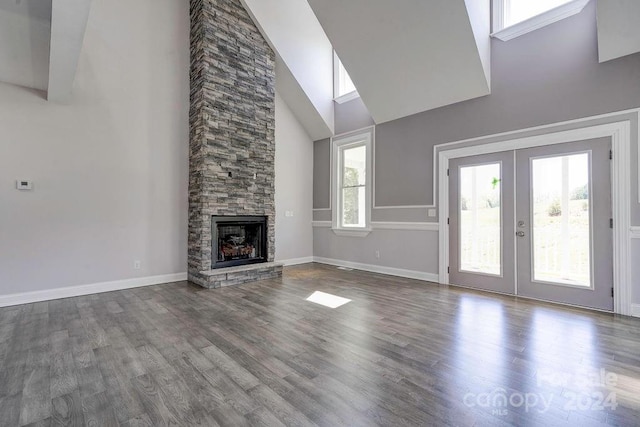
(407, 56)
(404, 56)
(410, 56)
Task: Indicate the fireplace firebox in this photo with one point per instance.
(238, 240)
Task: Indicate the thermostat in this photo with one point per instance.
(22, 184)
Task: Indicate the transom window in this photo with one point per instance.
(352, 191)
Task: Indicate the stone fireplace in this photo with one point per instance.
(231, 145)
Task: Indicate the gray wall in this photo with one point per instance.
(403, 249)
(351, 115)
(321, 174)
(548, 76)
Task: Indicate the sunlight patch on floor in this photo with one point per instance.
(328, 300)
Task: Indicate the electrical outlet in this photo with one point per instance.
(431, 213)
(378, 254)
(137, 265)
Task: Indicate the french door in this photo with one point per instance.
(535, 222)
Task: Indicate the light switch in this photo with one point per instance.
(24, 185)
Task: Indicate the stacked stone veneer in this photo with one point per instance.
(232, 125)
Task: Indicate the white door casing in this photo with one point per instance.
(620, 134)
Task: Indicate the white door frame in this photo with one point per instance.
(620, 134)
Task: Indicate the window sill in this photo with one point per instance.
(539, 21)
(347, 97)
(359, 232)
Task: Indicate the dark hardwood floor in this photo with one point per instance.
(402, 352)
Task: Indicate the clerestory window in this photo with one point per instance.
(513, 18)
(344, 89)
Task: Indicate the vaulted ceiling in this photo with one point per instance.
(409, 56)
(404, 56)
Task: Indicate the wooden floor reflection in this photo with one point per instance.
(401, 352)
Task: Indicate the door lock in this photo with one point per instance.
(520, 233)
(521, 224)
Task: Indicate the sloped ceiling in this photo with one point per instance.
(409, 56)
(618, 28)
(304, 64)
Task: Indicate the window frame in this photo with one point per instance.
(339, 144)
(340, 99)
(501, 7)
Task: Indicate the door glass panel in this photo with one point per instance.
(561, 219)
(480, 219)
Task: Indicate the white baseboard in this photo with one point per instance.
(94, 288)
(296, 261)
(410, 274)
(635, 310)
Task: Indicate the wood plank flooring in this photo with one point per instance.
(402, 352)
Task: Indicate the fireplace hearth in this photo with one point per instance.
(238, 240)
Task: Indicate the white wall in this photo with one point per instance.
(294, 187)
(110, 170)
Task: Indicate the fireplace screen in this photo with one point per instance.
(238, 241)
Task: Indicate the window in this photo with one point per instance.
(513, 18)
(352, 177)
(343, 88)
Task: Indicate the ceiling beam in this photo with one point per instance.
(68, 24)
(618, 29)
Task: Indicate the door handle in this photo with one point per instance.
(520, 233)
